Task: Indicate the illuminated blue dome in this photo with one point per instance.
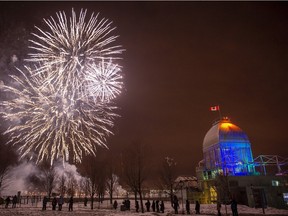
(224, 131)
(227, 149)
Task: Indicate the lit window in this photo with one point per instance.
(275, 183)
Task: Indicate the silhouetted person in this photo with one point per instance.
(153, 206)
(60, 203)
(44, 203)
(234, 207)
(148, 204)
(162, 207)
(197, 207)
(128, 204)
(157, 206)
(70, 208)
(54, 203)
(137, 206)
(85, 201)
(175, 204)
(187, 206)
(7, 202)
(219, 208)
(14, 201)
(115, 204)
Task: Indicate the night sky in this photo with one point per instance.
(183, 57)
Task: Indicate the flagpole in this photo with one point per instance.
(219, 111)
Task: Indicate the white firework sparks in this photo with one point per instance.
(51, 125)
(104, 81)
(71, 47)
(65, 103)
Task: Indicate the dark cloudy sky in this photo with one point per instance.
(183, 57)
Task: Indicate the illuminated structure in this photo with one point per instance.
(228, 171)
(227, 150)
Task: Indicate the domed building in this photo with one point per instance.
(227, 150)
(228, 170)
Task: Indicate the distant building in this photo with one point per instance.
(228, 170)
(184, 186)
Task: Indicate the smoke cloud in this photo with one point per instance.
(18, 176)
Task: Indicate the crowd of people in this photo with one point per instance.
(233, 208)
(154, 206)
(14, 200)
(157, 206)
(59, 202)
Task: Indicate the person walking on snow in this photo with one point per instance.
(54, 203)
(137, 206)
(60, 203)
(219, 208)
(162, 207)
(44, 202)
(197, 207)
(70, 204)
(187, 206)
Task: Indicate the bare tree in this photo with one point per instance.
(222, 188)
(71, 184)
(134, 170)
(92, 170)
(111, 183)
(62, 184)
(168, 176)
(111, 178)
(84, 186)
(101, 181)
(48, 177)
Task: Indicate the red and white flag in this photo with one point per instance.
(214, 108)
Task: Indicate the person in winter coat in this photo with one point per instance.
(115, 204)
(70, 207)
(219, 208)
(14, 201)
(85, 201)
(60, 203)
(137, 206)
(157, 206)
(187, 206)
(175, 204)
(162, 207)
(54, 203)
(7, 201)
(128, 204)
(234, 207)
(153, 206)
(197, 207)
(147, 204)
(44, 202)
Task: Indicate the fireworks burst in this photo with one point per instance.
(65, 101)
(104, 82)
(71, 48)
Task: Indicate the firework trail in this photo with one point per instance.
(65, 100)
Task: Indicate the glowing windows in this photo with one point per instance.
(275, 183)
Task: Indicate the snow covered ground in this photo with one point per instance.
(105, 210)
